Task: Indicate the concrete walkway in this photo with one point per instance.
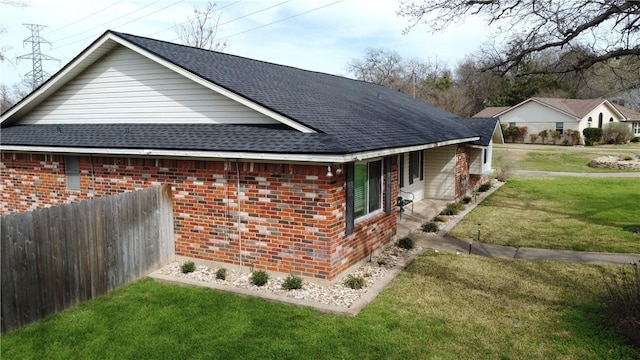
(425, 210)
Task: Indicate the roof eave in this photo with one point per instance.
(200, 154)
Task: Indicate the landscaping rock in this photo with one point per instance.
(336, 294)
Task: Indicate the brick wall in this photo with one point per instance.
(291, 215)
(463, 157)
(466, 183)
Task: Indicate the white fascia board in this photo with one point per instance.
(220, 90)
(274, 157)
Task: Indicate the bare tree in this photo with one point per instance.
(200, 30)
(379, 66)
(10, 95)
(608, 29)
(14, 3)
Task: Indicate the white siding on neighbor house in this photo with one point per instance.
(439, 174)
(417, 188)
(537, 117)
(125, 87)
(607, 114)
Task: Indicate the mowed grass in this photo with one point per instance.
(561, 158)
(443, 306)
(590, 214)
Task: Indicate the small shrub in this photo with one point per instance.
(466, 200)
(452, 209)
(617, 133)
(259, 278)
(292, 282)
(484, 187)
(534, 138)
(592, 136)
(405, 243)
(505, 164)
(544, 134)
(430, 227)
(354, 282)
(188, 267)
(221, 274)
(622, 301)
(635, 139)
(439, 218)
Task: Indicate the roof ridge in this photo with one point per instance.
(118, 33)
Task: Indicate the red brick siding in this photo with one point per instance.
(466, 183)
(291, 216)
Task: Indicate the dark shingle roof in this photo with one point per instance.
(171, 137)
(349, 115)
(483, 127)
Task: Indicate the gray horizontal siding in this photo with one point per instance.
(125, 87)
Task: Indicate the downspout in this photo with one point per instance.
(238, 226)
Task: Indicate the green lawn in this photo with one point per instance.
(443, 306)
(591, 214)
(560, 158)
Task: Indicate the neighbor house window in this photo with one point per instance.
(589, 122)
(485, 155)
(636, 128)
(416, 162)
(512, 124)
(367, 188)
(600, 120)
(560, 127)
(72, 171)
(610, 119)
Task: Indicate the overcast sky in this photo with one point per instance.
(319, 35)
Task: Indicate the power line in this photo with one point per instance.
(243, 16)
(281, 20)
(101, 26)
(83, 18)
(184, 22)
(129, 22)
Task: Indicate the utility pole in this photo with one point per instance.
(36, 75)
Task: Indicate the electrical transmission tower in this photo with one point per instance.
(36, 76)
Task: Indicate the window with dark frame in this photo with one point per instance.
(560, 127)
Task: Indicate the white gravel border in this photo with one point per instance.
(334, 298)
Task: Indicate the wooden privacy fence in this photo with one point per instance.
(55, 258)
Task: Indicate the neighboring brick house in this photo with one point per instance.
(271, 166)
